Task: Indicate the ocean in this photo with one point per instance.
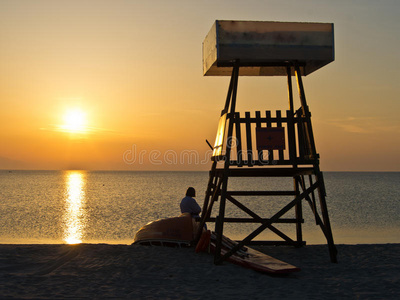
(47, 207)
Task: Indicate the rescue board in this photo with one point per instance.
(252, 259)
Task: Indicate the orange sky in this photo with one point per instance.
(134, 68)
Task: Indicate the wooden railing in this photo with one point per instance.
(289, 134)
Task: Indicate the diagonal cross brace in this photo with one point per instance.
(270, 221)
(258, 218)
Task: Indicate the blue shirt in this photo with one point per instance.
(189, 205)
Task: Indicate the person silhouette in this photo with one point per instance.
(189, 204)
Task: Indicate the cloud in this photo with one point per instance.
(352, 128)
(365, 124)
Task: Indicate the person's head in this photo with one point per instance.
(191, 192)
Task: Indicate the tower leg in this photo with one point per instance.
(325, 217)
(299, 214)
(219, 224)
(208, 200)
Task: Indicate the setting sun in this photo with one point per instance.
(75, 121)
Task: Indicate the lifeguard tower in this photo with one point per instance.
(264, 144)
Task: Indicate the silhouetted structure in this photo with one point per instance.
(263, 145)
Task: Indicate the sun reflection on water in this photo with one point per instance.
(74, 215)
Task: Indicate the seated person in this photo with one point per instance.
(189, 204)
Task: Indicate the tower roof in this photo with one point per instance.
(264, 48)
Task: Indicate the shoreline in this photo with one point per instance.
(48, 271)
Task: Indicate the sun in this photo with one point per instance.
(75, 121)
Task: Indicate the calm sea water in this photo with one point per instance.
(109, 207)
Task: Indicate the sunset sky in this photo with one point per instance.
(104, 85)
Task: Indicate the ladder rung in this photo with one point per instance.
(252, 220)
(261, 193)
(274, 243)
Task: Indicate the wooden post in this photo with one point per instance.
(325, 217)
(220, 220)
(249, 143)
(291, 138)
(239, 151)
(298, 212)
(306, 114)
(290, 89)
(207, 206)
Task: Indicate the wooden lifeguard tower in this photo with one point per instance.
(263, 145)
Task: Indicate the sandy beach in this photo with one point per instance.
(143, 272)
